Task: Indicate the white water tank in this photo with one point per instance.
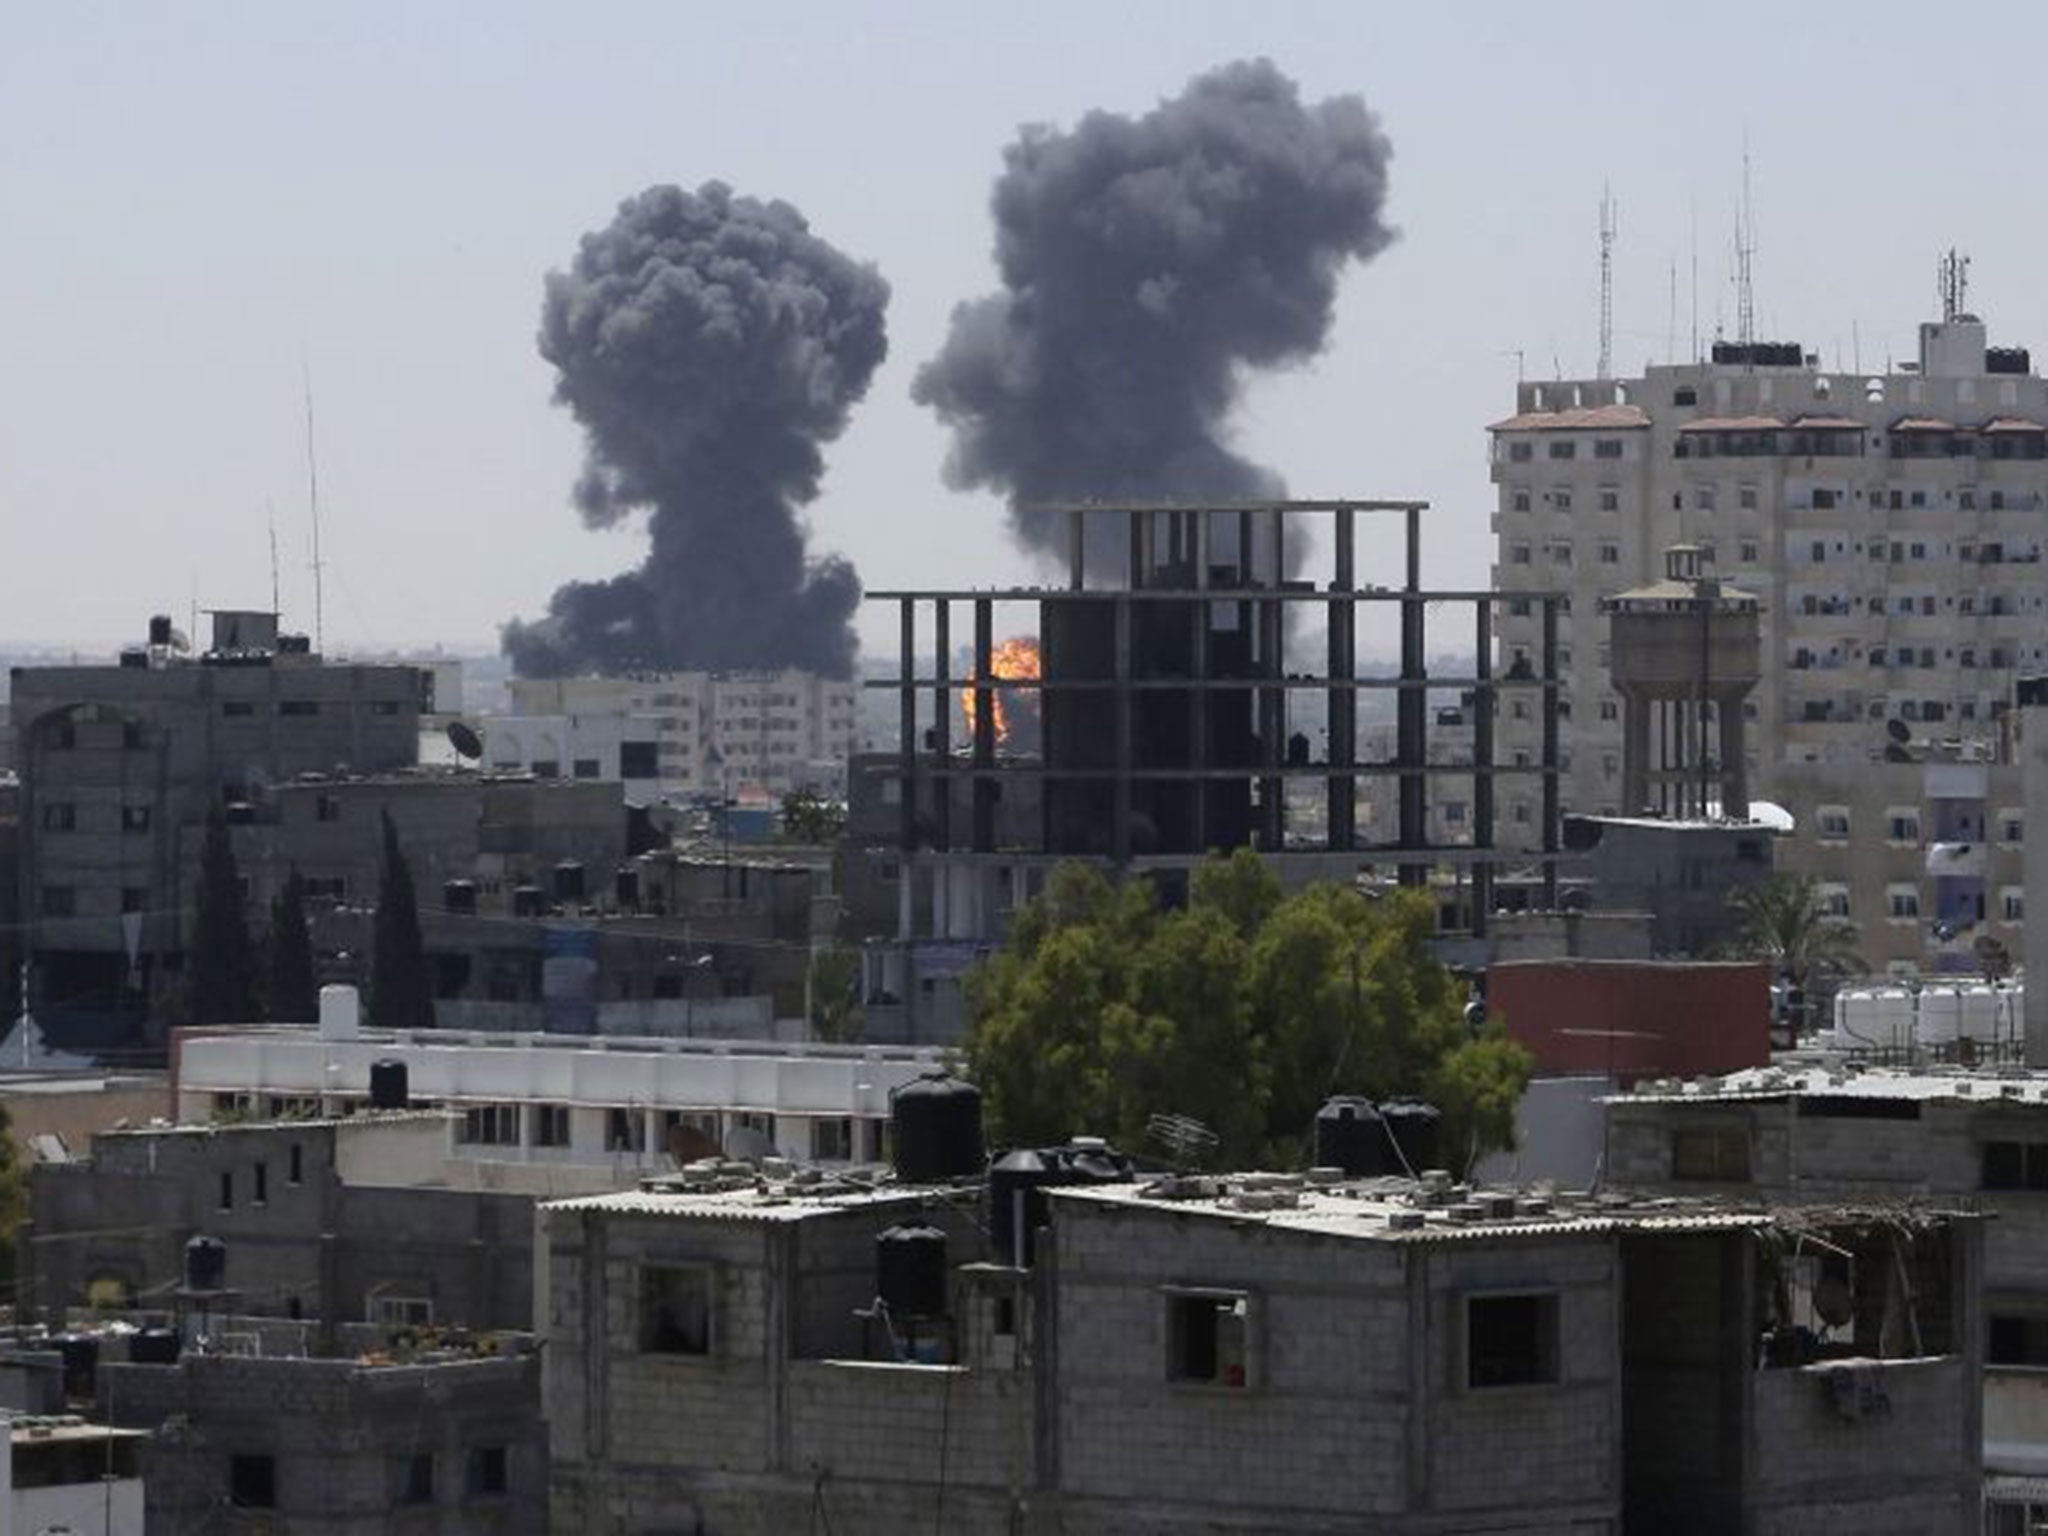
(1941, 1016)
(340, 1013)
(1983, 1013)
(1891, 1017)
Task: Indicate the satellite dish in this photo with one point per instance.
(465, 741)
(1898, 731)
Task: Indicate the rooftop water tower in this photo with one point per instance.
(1685, 653)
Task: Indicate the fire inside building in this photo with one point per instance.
(1177, 700)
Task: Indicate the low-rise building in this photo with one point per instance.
(1256, 1356)
(65, 1474)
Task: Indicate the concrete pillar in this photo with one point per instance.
(1635, 752)
(1734, 760)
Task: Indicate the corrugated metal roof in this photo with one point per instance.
(2012, 424)
(1777, 1083)
(1733, 424)
(1923, 424)
(774, 1206)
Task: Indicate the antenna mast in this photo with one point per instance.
(1606, 283)
(1953, 281)
(1745, 252)
(270, 511)
(313, 506)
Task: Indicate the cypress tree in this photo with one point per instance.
(401, 994)
(294, 993)
(222, 975)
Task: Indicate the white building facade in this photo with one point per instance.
(682, 732)
(1891, 525)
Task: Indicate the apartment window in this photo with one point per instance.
(489, 1471)
(1834, 900)
(1561, 498)
(327, 808)
(489, 1125)
(1610, 554)
(1823, 499)
(832, 1140)
(235, 709)
(1519, 501)
(550, 1125)
(261, 1192)
(1208, 1338)
(1521, 812)
(547, 768)
(1902, 901)
(1748, 551)
(585, 767)
(2012, 826)
(2015, 1165)
(625, 1130)
(1518, 607)
(1511, 1341)
(675, 1309)
(60, 816)
(1518, 554)
(1718, 1154)
(1832, 820)
(1607, 448)
(227, 1189)
(2013, 903)
(1902, 824)
(1686, 395)
(1560, 554)
(1563, 449)
(1610, 499)
(299, 707)
(416, 1479)
(1745, 497)
(1819, 552)
(1609, 710)
(400, 1311)
(1877, 655)
(295, 1172)
(134, 818)
(1521, 453)
(1703, 498)
(2016, 1338)
(252, 1482)
(134, 898)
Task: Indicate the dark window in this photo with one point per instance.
(1510, 1341)
(638, 760)
(262, 1183)
(550, 1125)
(675, 1310)
(385, 707)
(1718, 1154)
(134, 898)
(585, 767)
(298, 707)
(2015, 1165)
(1521, 453)
(297, 1172)
(2016, 1339)
(326, 808)
(1685, 396)
(227, 1189)
(134, 818)
(132, 737)
(1563, 450)
(1817, 1107)
(252, 1482)
(416, 1479)
(488, 1470)
(236, 708)
(546, 768)
(1607, 448)
(62, 816)
(1207, 1336)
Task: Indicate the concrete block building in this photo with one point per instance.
(1256, 1356)
(1888, 525)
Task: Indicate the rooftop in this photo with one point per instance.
(1841, 1081)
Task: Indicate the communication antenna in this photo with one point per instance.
(1952, 279)
(1671, 317)
(1745, 255)
(1606, 283)
(270, 512)
(1693, 217)
(313, 508)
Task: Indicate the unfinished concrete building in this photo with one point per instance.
(1178, 691)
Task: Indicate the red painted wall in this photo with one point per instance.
(1636, 1018)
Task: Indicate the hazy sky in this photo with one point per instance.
(194, 198)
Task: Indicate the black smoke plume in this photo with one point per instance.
(1146, 264)
(710, 345)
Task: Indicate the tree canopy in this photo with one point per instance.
(1245, 1010)
(293, 991)
(222, 985)
(1784, 920)
(401, 990)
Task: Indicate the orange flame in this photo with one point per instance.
(1015, 657)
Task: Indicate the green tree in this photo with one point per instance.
(401, 991)
(294, 992)
(1784, 920)
(221, 990)
(836, 1013)
(810, 818)
(13, 1200)
(1244, 1011)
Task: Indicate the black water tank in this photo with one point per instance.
(159, 629)
(459, 896)
(389, 1085)
(1415, 1126)
(528, 901)
(626, 888)
(910, 1270)
(155, 1346)
(206, 1264)
(568, 882)
(81, 1355)
(135, 659)
(937, 1124)
(1350, 1135)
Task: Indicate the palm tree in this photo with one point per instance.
(1785, 921)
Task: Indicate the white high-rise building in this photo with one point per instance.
(681, 732)
(1892, 525)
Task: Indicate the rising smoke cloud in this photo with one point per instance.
(1146, 264)
(709, 345)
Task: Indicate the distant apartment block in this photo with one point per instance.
(681, 732)
(1890, 525)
